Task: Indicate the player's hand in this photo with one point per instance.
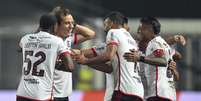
(172, 65)
(180, 39)
(132, 56)
(80, 58)
(74, 53)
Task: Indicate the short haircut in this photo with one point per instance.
(47, 22)
(125, 20)
(115, 17)
(153, 22)
(60, 12)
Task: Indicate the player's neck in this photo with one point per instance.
(150, 38)
(116, 26)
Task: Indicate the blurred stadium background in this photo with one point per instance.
(18, 17)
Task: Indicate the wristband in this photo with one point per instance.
(142, 59)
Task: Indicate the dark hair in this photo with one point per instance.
(125, 20)
(115, 17)
(47, 22)
(60, 12)
(152, 21)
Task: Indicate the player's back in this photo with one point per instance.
(40, 51)
(157, 80)
(125, 73)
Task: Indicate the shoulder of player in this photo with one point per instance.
(56, 38)
(26, 35)
(115, 32)
(159, 41)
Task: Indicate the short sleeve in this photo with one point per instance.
(21, 42)
(158, 49)
(61, 47)
(112, 38)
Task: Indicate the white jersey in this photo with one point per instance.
(143, 77)
(40, 52)
(63, 80)
(126, 77)
(158, 83)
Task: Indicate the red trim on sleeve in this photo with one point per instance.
(94, 51)
(113, 43)
(156, 86)
(119, 70)
(75, 39)
(159, 52)
(64, 54)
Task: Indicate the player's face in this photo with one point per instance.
(107, 25)
(144, 31)
(66, 26)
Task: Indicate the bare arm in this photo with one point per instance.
(176, 75)
(160, 61)
(176, 39)
(83, 33)
(66, 63)
(89, 53)
(107, 68)
(173, 67)
(177, 56)
(134, 56)
(102, 58)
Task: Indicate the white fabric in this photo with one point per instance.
(63, 80)
(40, 50)
(126, 76)
(158, 83)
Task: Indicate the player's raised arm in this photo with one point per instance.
(83, 33)
(176, 39)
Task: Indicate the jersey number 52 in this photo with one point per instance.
(27, 60)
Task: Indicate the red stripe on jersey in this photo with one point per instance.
(156, 86)
(75, 39)
(119, 70)
(22, 97)
(94, 51)
(159, 52)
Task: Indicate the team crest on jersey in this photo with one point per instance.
(32, 37)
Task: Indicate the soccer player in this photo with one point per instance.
(104, 67)
(156, 57)
(40, 51)
(127, 83)
(92, 52)
(72, 34)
